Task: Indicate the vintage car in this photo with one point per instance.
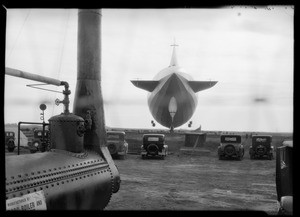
(37, 143)
(116, 144)
(231, 147)
(10, 140)
(154, 145)
(261, 147)
(284, 177)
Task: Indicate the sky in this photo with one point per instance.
(248, 50)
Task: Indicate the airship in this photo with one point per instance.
(172, 97)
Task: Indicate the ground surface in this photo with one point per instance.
(185, 182)
(193, 182)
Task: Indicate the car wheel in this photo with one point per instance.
(112, 148)
(229, 150)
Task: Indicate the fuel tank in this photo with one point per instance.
(68, 181)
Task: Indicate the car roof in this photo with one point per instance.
(116, 132)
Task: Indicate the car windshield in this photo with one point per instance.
(231, 139)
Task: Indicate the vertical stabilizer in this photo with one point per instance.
(174, 61)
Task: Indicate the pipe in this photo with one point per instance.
(30, 76)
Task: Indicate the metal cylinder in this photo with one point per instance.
(88, 94)
(66, 132)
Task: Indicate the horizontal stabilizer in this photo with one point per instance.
(146, 85)
(201, 85)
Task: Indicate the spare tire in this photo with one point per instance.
(152, 149)
(112, 148)
(261, 150)
(10, 145)
(229, 150)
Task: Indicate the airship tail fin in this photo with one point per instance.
(201, 85)
(145, 85)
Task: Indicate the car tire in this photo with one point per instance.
(112, 148)
(152, 149)
(10, 145)
(229, 150)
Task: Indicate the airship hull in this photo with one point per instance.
(173, 91)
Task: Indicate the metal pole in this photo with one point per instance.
(88, 94)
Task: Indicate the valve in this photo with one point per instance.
(88, 120)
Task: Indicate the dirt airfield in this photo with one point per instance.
(195, 183)
(196, 180)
